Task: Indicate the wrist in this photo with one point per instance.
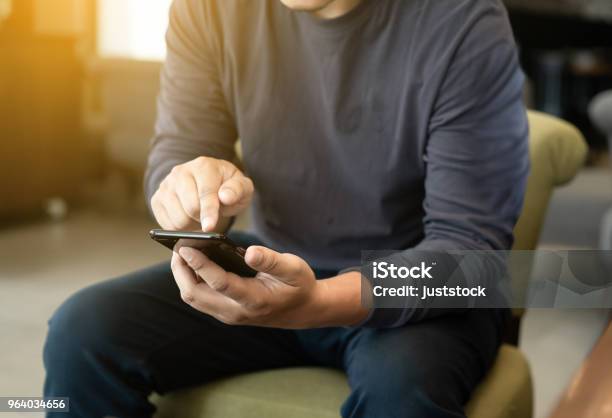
(337, 301)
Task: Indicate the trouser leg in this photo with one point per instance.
(110, 345)
(423, 370)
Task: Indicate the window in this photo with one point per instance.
(132, 29)
(5, 9)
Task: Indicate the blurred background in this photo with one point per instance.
(78, 85)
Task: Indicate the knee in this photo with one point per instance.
(396, 386)
(80, 324)
(387, 381)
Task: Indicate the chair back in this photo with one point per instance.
(557, 151)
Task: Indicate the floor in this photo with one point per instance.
(42, 263)
(556, 341)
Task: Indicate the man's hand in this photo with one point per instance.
(202, 193)
(284, 294)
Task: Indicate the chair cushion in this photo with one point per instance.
(315, 392)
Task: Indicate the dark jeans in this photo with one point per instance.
(111, 344)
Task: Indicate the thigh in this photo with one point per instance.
(424, 369)
(139, 323)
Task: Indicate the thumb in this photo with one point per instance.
(287, 267)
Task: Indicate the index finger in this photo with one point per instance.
(208, 180)
(209, 210)
(199, 295)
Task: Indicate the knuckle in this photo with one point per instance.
(163, 186)
(208, 192)
(197, 265)
(208, 197)
(202, 161)
(178, 221)
(158, 208)
(177, 169)
(191, 208)
(228, 166)
(300, 269)
(258, 305)
(296, 263)
(187, 296)
(270, 262)
(209, 208)
(221, 286)
(237, 318)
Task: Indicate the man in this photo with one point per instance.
(372, 124)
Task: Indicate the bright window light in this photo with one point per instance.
(132, 29)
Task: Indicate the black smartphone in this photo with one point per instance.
(216, 247)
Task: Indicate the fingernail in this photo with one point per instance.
(186, 253)
(207, 223)
(256, 257)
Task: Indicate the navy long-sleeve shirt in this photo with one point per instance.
(399, 125)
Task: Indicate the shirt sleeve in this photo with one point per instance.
(476, 156)
(192, 116)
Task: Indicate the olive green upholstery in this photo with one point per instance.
(557, 151)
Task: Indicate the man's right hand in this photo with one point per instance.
(203, 193)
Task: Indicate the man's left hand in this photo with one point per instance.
(284, 294)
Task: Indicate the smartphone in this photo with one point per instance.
(216, 247)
